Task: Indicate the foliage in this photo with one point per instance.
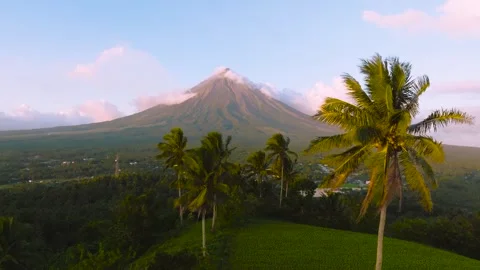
(84, 222)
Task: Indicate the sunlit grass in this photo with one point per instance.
(280, 245)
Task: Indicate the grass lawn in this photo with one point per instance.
(282, 245)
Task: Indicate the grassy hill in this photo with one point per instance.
(281, 245)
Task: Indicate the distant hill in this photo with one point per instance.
(225, 102)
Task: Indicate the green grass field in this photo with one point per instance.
(281, 245)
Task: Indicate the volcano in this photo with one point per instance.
(226, 102)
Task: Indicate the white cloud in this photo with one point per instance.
(458, 18)
(91, 69)
(25, 117)
(142, 103)
(310, 100)
(120, 73)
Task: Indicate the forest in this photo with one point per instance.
(121, 222)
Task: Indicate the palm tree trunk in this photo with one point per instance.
(214, 211)
(281, 187)
(286, 189)
(181, 207)
(381, 229)
(204, 238)
(259, 180)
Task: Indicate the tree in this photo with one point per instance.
(172, 151)
(11, 244)
(207, 167)
(218, 154)
(258, 166)
(290, 172)
(378, 134)
(278, 148)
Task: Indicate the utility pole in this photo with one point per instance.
(117, 168)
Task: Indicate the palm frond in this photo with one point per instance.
(367, 135)
(376, 77)
(440, 118)
(424, 166)
(356, 92)
(426, 146)
(419, 87)
(342, 114)
(415, 180)
(344, 163)
(327, 143)
(375, 187)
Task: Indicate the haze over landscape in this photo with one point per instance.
(82, 71)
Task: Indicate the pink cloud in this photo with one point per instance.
(458, 18)
(98, 111)
(455, 87)
(25, 117)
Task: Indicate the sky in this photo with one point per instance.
(71, 62)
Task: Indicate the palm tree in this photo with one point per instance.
(378, 133)
(290, 172)
(278, 145)
(172, 151)
(199, 191)
(258, 165)
(206, 169)
(218, 155)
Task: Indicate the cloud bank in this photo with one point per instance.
(142, 103)
(25, 117)
(308, 101)
(457, 18)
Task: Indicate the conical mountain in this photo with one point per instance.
(225, 102)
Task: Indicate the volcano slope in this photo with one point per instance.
(225, 102)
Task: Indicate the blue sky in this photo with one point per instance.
(168, 46)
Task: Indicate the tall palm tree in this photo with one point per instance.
(290, 172)
(378, 134)
(219, 152)
(172, 151)
(278, 148)
(258, 166)
(206, 169)
(198, 182)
